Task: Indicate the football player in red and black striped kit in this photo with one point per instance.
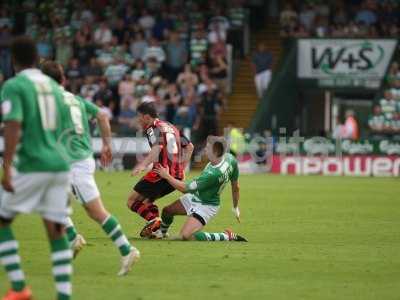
(168, 148)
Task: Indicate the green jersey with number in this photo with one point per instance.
(36, 101)
(208, 186)
(76, 136)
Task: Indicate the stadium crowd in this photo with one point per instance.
(118, 53)
(385, 118)
(354, 18)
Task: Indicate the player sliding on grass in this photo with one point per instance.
(78, 143)
(202, 196)
(168, 148)
(35, 175)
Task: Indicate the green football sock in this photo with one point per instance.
(208, 236)
(10, 259)
(166, 221)
(61, 256)
(71, 231)
(112, 228)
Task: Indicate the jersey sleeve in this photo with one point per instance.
(11, 103)
(184, 140)
(203, 182)
(153, 135)
(91, 109)
(235, 171)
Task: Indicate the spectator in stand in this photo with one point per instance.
(217, 33)
(176, 56)
(172, 100)
(138, 46)
(115, 72)
(121, 32)
(107, 109)
(388, 104)
(377, 122)
(126, 89)
(126, 119)
(288, 19)
(89, 88)
(198, 48)
(162, 26)
(262, 63)
(44, 45)
(105, 55)
(83, 51)
(93, 69)
(74, 75)
(219, 74)
(103, 34)
(209, 109)
(351, 129)
(105, 95)
(238, 16)
(146, 22)
(187, 79)
(182, 120)
(366, 15)
(154, 53)
(307, 16)
(64, 50)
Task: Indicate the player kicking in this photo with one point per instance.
(36, 179)
(169, 149)
(202, 196)
(80, 152)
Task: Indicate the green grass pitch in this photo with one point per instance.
(310, 238)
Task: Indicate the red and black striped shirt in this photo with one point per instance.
(171, 143)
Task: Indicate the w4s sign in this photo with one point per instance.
(344, 58)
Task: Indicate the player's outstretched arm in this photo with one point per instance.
(105, 131)
(235, 199)
(176, 183)
(12, 130)
(150, 158)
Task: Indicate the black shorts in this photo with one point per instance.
(153, 190)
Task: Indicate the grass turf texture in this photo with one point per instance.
(310, 238)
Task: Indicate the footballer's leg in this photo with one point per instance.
(76, 240)
(87, 192)
(112, 228)
(142, 201)
(61, 257)
(189, 229)
(11, 261)
(167, 217)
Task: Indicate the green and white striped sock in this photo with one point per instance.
(112, 228)
(208, 236)
(10, 259)
(61, 257)
(71, 231)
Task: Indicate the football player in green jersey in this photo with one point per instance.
(78, 145)
(201, 199)
(35, 174)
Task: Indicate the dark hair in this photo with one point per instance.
(53, 70)
(147, 108)
(219, 148)
(24, 51)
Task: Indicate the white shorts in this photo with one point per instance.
(193, 206)
(45, 193)
(82, 179)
